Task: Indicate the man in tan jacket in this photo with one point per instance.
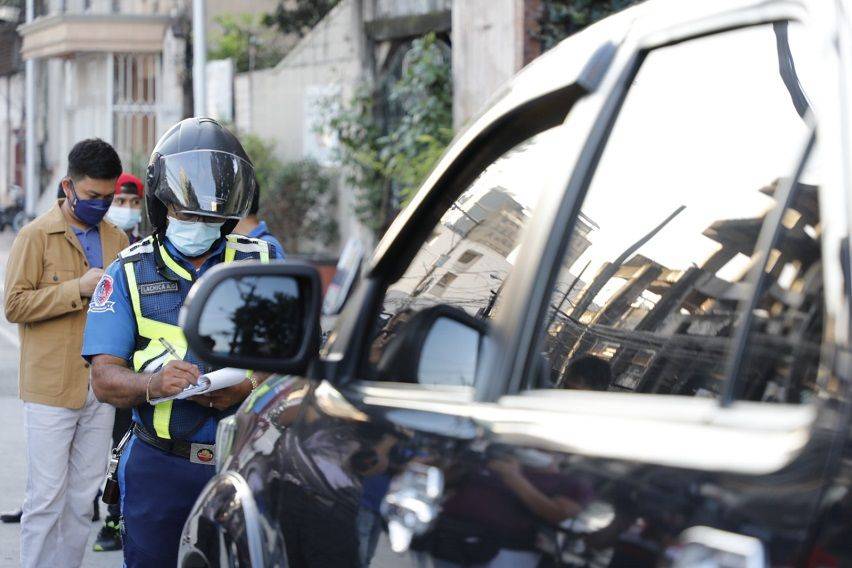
(53, 268)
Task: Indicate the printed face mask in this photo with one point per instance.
(192, 238)
(124, 217)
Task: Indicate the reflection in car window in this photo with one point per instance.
(463, 265)
(253, 316)
(653, 282)
(785, 331)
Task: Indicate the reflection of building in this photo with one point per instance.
(468, 256)
(494, 220)
(669, 330)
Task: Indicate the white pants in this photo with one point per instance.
(67, 456)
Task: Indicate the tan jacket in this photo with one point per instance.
(43, 297)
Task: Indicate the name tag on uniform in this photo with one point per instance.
(157, 288)
(202, 453)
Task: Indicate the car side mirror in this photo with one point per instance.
(256, 316)
(438, 345)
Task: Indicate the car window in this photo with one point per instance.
(781, 360)
(457, 276)
(656, 274)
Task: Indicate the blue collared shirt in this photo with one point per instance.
(90, 240)
(113, 331)
(262, 232)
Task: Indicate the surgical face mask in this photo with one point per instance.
(124, 217)
(192, 238)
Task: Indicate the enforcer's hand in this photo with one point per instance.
(175, 376)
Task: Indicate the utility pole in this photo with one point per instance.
(30, 180)
(199, 57)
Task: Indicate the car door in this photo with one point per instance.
(682, 340)
(430, 432)
(717, 444)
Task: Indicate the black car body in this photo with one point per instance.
(612, 329)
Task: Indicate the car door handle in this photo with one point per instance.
(706, 546)
(412, 503)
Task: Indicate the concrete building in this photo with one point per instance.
(115, 69)
(365, 41)
(11, 108)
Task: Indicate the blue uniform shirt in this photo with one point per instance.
(262, 232)
(112, 331)
(90, 240)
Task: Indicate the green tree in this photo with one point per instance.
(247, 40)
(299, 16)
(299, 205)
(379, 158)
(562, 18)
(262, 154)
(297, 199)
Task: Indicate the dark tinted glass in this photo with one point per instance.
(653, 283)
(254, 316)
(782, 353)
(464, 263)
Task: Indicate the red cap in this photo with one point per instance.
(129, 179)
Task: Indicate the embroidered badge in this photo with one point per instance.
(157, 288)
(100, 298)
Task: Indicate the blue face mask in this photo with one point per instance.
(192, 238)
(89, 211)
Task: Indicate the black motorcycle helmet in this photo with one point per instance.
(199, 167)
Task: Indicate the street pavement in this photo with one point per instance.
(12, 449)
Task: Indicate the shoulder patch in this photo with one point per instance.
(100, 298)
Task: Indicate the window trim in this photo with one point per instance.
(770, 233)
(346, 358)
(542, 277)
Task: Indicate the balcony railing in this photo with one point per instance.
(99, 7)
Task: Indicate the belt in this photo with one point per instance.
(204, 454)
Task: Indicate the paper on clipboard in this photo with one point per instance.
(208, 382)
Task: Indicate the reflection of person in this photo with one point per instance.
(587, 373)
(252, 226)
(126, 210)
(493, 517)
(200, 181)
(55, 262)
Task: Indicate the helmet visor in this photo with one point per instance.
(207, 182)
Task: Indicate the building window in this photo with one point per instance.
(469, 257)
(135, 98)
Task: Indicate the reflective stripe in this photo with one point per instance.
(154, 330)
(152, 356)
(138, 248)
(264, 253)
(173, 265)
(253, 245)
(162, 418)
(233, 245)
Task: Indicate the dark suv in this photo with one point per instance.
(612, 328)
